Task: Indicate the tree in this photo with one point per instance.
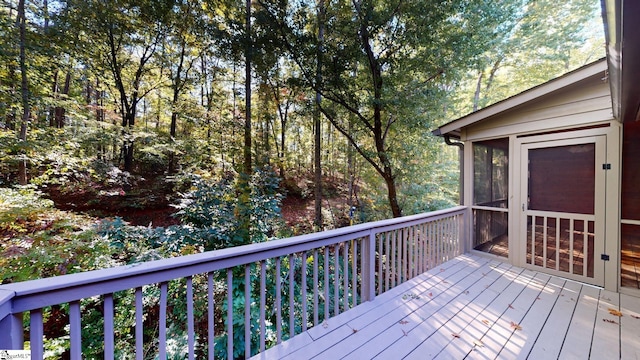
(534, 42)
(24, 84)
(122, 38)
(317, 125)
(385, 57)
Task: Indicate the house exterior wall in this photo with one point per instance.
(582, 109)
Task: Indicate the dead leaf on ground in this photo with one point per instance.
(486, 322)
(610, 321)
(516, 326)
(430, 294)
(355, 330)
(615, 312)
(538, 298)
(466, 292)
(405, 333)
(478, 343)
(325, 324)
(455, 335)
(511, 306)
(635, 316)
(445, 282)
(402, 322)
(441, 269)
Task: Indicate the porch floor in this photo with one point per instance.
(476, 308)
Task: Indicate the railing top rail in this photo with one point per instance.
(5, 302)
(104, 281)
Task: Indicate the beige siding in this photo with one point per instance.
(581, 105)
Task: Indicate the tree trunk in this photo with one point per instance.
(476, 96)
(59, 110)
(247, 119)
(243, 210)
(379, 131)
(317, 125)
(22, 163)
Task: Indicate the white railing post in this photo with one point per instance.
(12, 332)
(368, 268)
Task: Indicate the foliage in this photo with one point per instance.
(134, 101)
(212, 205)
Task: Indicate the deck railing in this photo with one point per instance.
(279, 289)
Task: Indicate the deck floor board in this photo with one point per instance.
(475, 308)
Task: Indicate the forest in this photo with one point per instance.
(133, 130)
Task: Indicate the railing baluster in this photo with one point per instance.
(315, 287)
(571, 225)
(247, 311)
(405, 254)
(303, 271)
(336, 280)
(326, 283)
(418, 247)
(291, 297)
(422, 249)
(278, 302)
(585, 249)
(162, 335)
(558, 233)
(412, 252)
(190, 324)
(448, 241)
(533, 237)
(393, 257)
(75, 330)
(229, 314)
(36, 332)
(139, 324)
(263, 303)
(345, 276)
(387, 254)
(354, 273)
(210, 317)
(108, 327)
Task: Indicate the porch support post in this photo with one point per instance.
(368, 268)
(12, 332)
(463, 231)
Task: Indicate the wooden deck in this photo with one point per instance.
(474, 308)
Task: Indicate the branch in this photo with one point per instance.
(351, 140)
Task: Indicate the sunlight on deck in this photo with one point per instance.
(477, 308)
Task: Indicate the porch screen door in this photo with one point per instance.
(562, 221)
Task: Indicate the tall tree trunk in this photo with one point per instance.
(60, 111)
(54, 92)
(379, 130)
(247, 120)
(476, 95)
(243, 210)
(317, 125)
(22, 163)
